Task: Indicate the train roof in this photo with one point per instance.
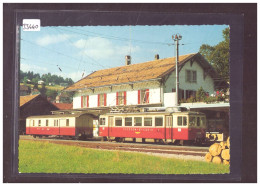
(154, 113)
(59, 115)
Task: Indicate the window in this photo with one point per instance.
(85, 101)
(118, 121)
(148, 121)
(143, 96)
(102, 99)
(158, 121)
(121, 98)
(33, 123)
(39, 123)
(198, 121)
(191, 76)
(102, 121)
(47, 122)
(169, 121)
(179, 123)
(190, 93)
(194, 76)
(128, 121)
(137, 121)
(203, 121)
(192, 121)
(67, 122)
(55, 123)
(184, 121)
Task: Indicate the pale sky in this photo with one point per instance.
(78, 50)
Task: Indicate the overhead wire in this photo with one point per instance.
(111, 37)
(81, 55)
(84, 48)
(52, 64)
(60, 53)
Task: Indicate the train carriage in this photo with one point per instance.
(165, 126)
(73, 125)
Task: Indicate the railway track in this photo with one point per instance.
(134, 147)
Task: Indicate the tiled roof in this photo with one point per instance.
(26, 99)
(130, 73)
(63, 106)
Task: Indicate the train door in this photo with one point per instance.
(110, 125)
(169, 128)
(62, 125)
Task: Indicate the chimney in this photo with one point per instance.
(127, 60)
(156, 57)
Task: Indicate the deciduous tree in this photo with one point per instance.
(218, 55)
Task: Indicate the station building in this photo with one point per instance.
(150, 83)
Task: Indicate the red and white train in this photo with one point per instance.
(73, 125)
(162, 126)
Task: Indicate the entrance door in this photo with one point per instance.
(110, 125)
(169, 127)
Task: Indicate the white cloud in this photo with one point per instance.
(37, 69)
(101, 48)
(51, 39)
(75, 76)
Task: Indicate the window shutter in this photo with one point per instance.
(81, 101)
(116, 98)
(125, 98)
(105, 99)
(98, 100)
(87, 101)
(147, 95)
(139, 96)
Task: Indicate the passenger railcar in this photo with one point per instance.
(163, 126)
(73, 125)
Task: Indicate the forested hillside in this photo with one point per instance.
(47, 78)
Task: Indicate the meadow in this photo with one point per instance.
(45, 157)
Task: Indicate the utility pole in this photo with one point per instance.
(176, 38)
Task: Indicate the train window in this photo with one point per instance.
(184, 121)
(203, 121)
(33, 123)
(47, 122)
(148, 121)
(102, 121)
(198, 121)
(39, 123)
(67, 122)
(128, 121)
(118, 121)
(55, 123)
(137, 121)
(158, 121)
(169, 121)
(179, 121)
(191, 121)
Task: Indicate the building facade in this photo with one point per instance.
(145, 84)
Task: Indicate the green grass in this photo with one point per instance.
(44, 157)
